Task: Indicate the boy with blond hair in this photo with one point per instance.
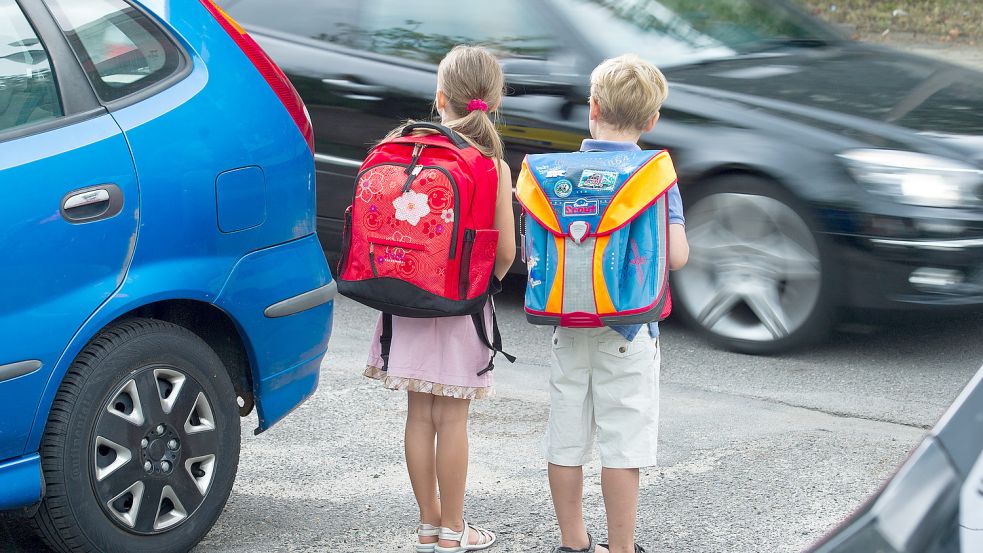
(605, 381)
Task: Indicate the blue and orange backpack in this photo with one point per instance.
(595, 233)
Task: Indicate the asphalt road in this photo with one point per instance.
(758, 454)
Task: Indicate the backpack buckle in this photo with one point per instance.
(578, 230)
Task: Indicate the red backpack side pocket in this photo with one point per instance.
(478, 262)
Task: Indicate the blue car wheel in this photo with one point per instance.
(142, 445)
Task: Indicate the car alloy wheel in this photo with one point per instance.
(754, 281)
(154, 450)
(141, 446)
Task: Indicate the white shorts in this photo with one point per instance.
(602, 384)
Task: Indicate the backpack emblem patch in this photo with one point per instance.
(563, 188)
(580, 207)
(598, 180)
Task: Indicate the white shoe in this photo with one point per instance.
(486, 539)
(426, 531)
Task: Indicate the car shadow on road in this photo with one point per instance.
(952, 339)
(16, 536)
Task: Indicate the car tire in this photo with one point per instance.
(119, 417)
(759, 279)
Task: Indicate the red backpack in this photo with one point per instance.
(420, 237)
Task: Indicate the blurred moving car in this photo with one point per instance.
(161, 273)
(817, 172)
(934, 503)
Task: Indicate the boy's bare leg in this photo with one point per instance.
(567, 489)
(620, 490)
(421, 463)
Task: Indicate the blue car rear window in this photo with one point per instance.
(121, 49)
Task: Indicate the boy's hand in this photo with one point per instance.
(678, 247)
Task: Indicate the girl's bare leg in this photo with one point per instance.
(420, 439)
(450, 417)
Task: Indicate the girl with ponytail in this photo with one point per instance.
(437, 361)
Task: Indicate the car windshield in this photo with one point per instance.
(680, 32)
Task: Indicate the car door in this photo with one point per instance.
(523, 34)
(70, 214)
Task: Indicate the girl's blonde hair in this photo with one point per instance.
(469, 73)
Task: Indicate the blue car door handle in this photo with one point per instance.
(92, 204)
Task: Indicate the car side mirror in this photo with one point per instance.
(543, 78)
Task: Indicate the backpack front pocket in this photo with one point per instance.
(392, 258)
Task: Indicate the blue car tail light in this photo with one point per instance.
(277, 80)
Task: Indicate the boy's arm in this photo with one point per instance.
(504, 221)
(678, 247)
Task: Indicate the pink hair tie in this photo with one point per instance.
(477, 103)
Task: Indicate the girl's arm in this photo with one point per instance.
(504, 221)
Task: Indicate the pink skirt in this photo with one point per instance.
(441, 356)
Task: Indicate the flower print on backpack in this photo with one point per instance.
(411, 207)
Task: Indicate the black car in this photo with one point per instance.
(817, 172)
(934, 503)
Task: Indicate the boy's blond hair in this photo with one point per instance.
(629, 90)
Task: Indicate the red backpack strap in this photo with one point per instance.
(386, 339)
(456, 139)
(495, 344)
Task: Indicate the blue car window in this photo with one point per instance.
(424, 30)
(28, 93)
(121, 49)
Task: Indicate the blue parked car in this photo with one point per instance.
(160, 274)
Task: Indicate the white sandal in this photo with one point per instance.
(426, 531)
(462, 538)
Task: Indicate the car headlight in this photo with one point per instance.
(915, 178)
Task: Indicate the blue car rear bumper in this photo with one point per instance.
(281, 297)
(20, 480)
